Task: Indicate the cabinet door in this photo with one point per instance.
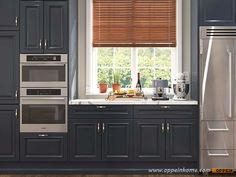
(31, 29)
(217, 12)
(116, 137)
(9, 133)
(181, 140)
(43, 147)
(55, 27)
(9, 66)
(85, 140)
(9, 14)
(149, 139)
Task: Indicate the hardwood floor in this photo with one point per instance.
(99, 176)
(112, 175)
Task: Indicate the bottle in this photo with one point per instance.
(138, 85)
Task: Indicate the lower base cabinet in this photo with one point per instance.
(96, 140)
(9, 133)
(43, 147)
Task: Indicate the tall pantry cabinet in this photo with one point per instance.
(9, 81)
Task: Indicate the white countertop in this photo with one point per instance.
(130, 101)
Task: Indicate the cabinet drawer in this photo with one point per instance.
(217, 159)
(43, 147)
(217, 135)
(100, 111)
(165, 111)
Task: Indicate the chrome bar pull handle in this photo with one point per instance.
(101, 107)
(43, 135)
(40, 43)
(162, 127)
(45, 44)
(165, 107)
(167, 127)
(16, 113)
(226, 154)
(103, 127)
(98, 127)
(230, 84)
(16, 21)
(16, 94)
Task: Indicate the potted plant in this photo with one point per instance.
(116, 81)
(103, 86)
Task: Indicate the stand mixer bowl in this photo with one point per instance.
(181, 90)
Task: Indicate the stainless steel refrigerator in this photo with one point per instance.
(217, 64)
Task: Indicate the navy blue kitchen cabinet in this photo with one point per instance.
(100, 133)
(44, 26)
(85, 140)
(9, 67)
(9, 133)
(149, 140)
(165, 133)
(217, 12)
(43, 147)
(9, 14)
(181, 140)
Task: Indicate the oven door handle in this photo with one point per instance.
(47, 98)
(43, 64)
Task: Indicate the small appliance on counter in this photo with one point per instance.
(159, 89)
(181, 87)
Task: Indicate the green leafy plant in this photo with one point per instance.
(102, 81)
(116, 77)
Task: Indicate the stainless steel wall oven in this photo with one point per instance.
(43, 93)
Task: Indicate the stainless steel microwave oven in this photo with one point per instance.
(43, 70)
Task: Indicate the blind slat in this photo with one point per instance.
(134, 23)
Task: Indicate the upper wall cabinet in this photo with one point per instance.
(217, 12)
(44, 27)
(9, 14)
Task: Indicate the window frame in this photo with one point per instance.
(91, 69)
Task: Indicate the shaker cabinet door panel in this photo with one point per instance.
(149, 139)
(43, 147)
(9, 133)
(31, 27)
(116, 139)
(85, 140)
(9, 66)
(9, 14)
(181, 140)
(217, 12)
(55, 27)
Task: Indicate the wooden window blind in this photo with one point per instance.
(134, 23)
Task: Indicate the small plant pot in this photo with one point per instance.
(115, 87)
(103, 88)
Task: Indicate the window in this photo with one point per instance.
(152, 63)
(153, 59)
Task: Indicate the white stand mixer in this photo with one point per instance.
(181, 87)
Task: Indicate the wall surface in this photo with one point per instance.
(186, 39)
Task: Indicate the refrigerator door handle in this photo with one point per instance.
(230, 84)
(226, 154)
